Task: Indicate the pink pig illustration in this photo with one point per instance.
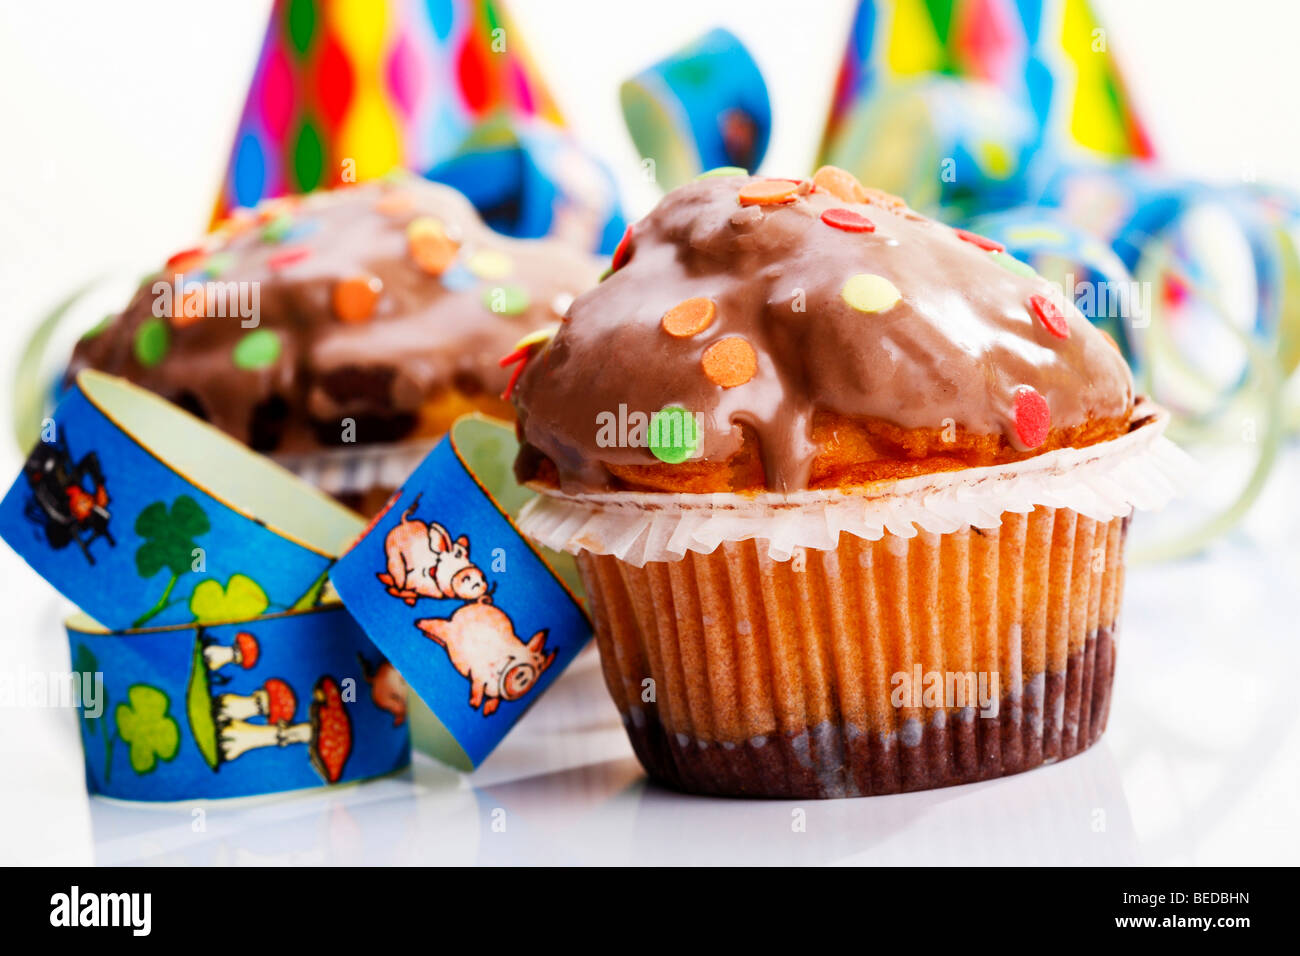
(424, 561)
(480, 640)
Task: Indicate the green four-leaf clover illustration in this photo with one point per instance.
(145, 726)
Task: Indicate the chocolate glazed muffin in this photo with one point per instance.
(884, 417)
(381, 312)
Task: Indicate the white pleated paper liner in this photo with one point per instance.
(339, 471)
(1139, 470)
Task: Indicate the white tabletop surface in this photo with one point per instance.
(1200, 765)
(111, 170)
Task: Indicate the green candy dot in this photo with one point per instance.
(674, 435)
(722, 171)
(506, 299)
(151, 341)
(97, 328)
(1012, 264)
(277, 228)
(218, 263)
(257, 350)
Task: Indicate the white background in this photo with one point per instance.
(115, 121)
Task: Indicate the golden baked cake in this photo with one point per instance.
(834, 356)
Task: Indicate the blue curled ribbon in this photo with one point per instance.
(467, 609)
(218, 663)
(701, 107)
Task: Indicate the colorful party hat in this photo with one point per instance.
(1050, 57)
(346, 90)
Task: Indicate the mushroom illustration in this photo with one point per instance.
(274, 700)
(244, 652)
(387, 687)
(328, 733)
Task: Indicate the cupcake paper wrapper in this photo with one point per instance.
(1141, 469)
(355, 470)
(741, 675)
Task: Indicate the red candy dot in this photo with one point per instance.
(184, 259)
(1052, 318)
(975, 239)
(287, 257)
(1033, 417)
(848, 220)
(623, 251)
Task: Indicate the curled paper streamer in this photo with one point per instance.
(196, 711)
(1219, 261)
(700, 108)
(207, 564)
(1087, 270)
(471, 614)
(221, 646)
(531, 179)
(938, 142)
(144, 516)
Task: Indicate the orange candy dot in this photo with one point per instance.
(190, 309)
(432, 252)
(730, 362)
(355, 297)
(768, 192)
(840, 183)
(689, 318)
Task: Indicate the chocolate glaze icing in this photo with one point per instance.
(422, 339)
(957, 346)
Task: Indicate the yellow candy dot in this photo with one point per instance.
(425, 226)
(490, 264)
(537, 338)
(870, 293)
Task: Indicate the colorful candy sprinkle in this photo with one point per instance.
(536, 337)
(867, 292)
(429, 245)
(218, 263)
(184, 260)
(722, 171)
(355, 297)
(521, 353)
(1012, 264)
(848, 220)
(689, 318)
(425, 226)
(839, 183)
(1052, 318)
(277, 227)
(622, 252)
(506, 299)
(984, 242)
(457, 278)
(768, 192)
(287, 257)
(674, 435)
(151, 341)
(256, 350)
(1033, 418)
(730, 362)
(490, 264)
(190, 308)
